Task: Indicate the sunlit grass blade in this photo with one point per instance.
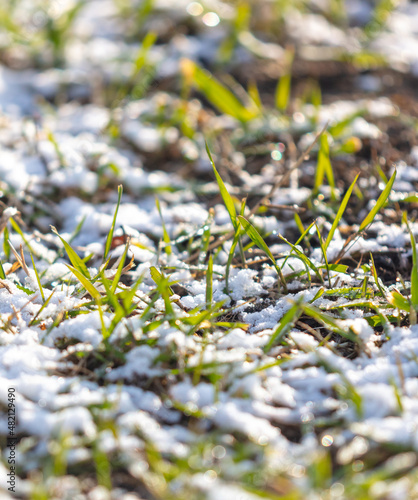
(37, 279)
(285, 325)
(111, 296)
(282, 95)
(149, 40)
(318, 294)
(303, 257)
(119, 311)
(77, 229)
(340, 212)
(158, 278)
(254, 94)
(414, 272)
(6, 246)
(324, 167)
(379, 17)
(85, 282)
(166, 237)
(299, 223)
(2, 273)
(230, 257)
(127, 296)
(53, 141)
(397, 300)
(46, 302)
(329, 322)
(112, 227)
(241, 247)
(16, 227)
(255, 236)
(227, 199)
(120, 267)
(236, 240)
(166, 293)
(102, 466)
(338, 128)
(324, 253)
(304, 232)
(382, 289)
(202, 318)
(75, 260)
(239, 25)
(221, 97)
(364, 289)
(379, 203)
(338, 268)
(204, 245)
(209, 282)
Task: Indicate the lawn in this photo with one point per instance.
(208, 264)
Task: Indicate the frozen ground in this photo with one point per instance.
(131, 386)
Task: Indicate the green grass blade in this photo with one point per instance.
(166, 237)
(255, 236)
(329, 322)
(32, 322)
(338, 128)
(204, 245)
(324, 167)
(299, 223)
(414, 272)
(221, 97)
(16, 227)
(112, 227)
(38, 279)
(6, 246)
(236, 240)
(230, 257)
(119, 311)
(241, 247)
(155, 275)
(324, 253)
(338, 268)
(77, 229)
(227, 199)
(120, 267)
(340, 212)
(209, 282)
(364, 292)
(85, 282)
(301, 237)
(383, 290)
(285, 325)
(2, 273)
(75, 260)
(111, 296)
(158, 278)
(282, 94)
(127, 296)
(140, 61)
(254, 94)
(379, 203)
(397, 300)
(303, 257)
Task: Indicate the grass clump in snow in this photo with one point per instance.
(238, 321)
